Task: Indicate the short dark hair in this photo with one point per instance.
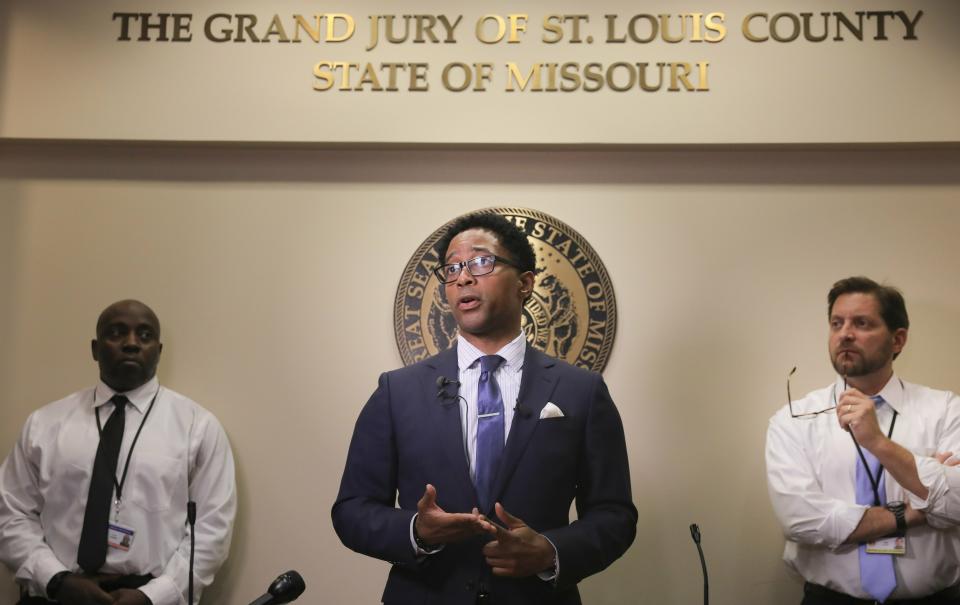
(510, 237)
(893, 309)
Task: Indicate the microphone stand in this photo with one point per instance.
(192, 519)
(695, 534)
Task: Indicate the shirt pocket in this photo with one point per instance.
(155, 482)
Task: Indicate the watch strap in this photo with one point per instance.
(53, 586)
(899, 510)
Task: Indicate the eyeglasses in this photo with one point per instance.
(808, 415)
(477, 266)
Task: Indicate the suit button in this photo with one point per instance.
(471, 586)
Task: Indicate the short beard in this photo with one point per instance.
(859, 365)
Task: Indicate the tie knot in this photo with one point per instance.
(877, 399)
(490, 363)
(120, 402)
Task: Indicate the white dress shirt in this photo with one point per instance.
(182, 454)
(952, 500)
(811, 476)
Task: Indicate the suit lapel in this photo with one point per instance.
(536, 386)
(450, 428)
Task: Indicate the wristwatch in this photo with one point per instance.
(53, 586)
(899, 510)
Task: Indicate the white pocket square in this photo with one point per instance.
(551, 411)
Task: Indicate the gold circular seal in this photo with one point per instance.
(572, 313)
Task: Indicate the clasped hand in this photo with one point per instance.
(518, 551)
(515, 551)
(85, 590)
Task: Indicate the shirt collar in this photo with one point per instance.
(139, 397)
(892, 392)
(512, 353)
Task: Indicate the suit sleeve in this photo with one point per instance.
(606, 517)
(365, 515)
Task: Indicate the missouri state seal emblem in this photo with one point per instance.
(572, 313)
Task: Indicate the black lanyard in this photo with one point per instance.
(874, 482)
(126, 466)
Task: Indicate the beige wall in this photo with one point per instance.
(720, 261)
(66, 76)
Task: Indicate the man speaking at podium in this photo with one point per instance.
(93, 498)
(462, 467)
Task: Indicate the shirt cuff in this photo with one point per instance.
(421, 552)
(951, 496)
(845, 519)
(550, 575)
(164, 591)
(931, 474)
(40, 569)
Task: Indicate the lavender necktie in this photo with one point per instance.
(876, 570)
(489, 431)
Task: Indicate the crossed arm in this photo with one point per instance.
(856, 414)
(811, 516)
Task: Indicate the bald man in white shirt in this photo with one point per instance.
(93, 497)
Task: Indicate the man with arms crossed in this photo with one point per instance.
(93, 498)
(859, 531)
(462, 467)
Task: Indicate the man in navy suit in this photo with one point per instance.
(462, 467)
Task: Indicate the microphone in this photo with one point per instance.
(695, 534)
(521, 410)
(286, 588)
(442, 383)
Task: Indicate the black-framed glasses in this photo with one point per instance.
(477, 266)
(807, 415)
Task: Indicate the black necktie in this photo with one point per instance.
(93, 539)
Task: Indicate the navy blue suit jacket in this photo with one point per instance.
(407, 436)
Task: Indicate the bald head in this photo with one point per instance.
(127, 346)
(125, 306)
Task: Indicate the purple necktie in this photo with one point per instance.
(489, 431)
(876, 571)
